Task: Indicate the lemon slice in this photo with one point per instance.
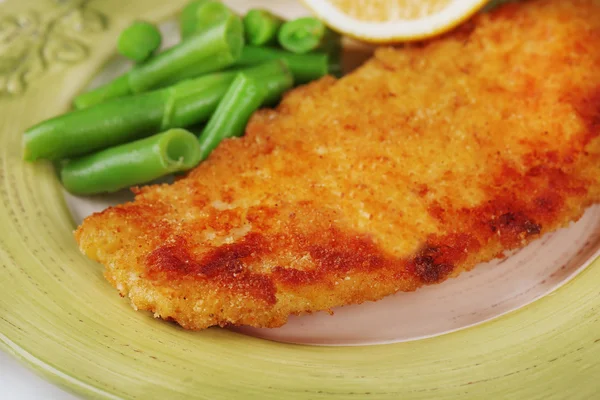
(385, 21)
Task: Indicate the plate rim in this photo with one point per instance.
(562, 329)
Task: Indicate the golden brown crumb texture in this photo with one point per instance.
(424, 162)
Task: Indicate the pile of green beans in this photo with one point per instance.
(130, 131)
(130, 118)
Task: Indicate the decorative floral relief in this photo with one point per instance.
(31, 42)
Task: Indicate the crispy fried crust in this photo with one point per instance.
(423, 163)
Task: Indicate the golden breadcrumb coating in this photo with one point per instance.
(426, 161)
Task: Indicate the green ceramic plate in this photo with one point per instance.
(58, 315)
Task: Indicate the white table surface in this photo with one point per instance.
(18, 383)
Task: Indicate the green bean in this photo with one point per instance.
(251, 89)
(129, 118)
(214, 48)
(213, 13)
(188, 19)
(139, 40)
(304, 67)
(275, 78)
(112, 90)
(302, 35)
(198, 69)
(132, 164)
(261, 27)
(202, 15)
(82, 131)
(244, 96)
(193, 102)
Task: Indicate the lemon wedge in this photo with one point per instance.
(386, 21)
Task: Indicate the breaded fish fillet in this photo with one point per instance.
(423, 163)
